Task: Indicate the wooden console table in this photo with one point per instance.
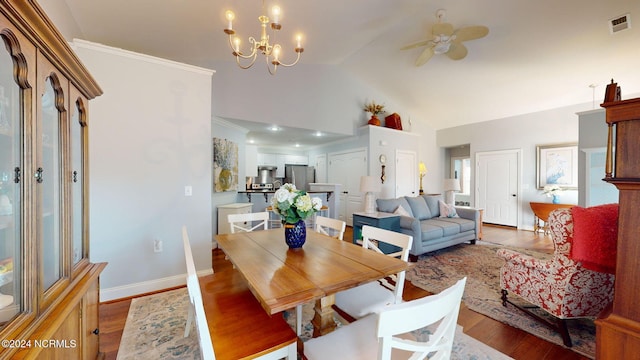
(542, 211)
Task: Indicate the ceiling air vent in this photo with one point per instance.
(619, 23)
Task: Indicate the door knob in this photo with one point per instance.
(514, 195)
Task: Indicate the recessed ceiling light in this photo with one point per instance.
(251, 141)
(274, 128)
(318, 133)
(297, 145)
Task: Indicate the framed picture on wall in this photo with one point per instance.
(557, 165)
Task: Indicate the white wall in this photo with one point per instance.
(150, 136)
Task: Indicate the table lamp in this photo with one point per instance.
(422, 170)
(451, 186)
(369, 185)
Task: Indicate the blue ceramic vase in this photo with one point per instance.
(555, 199)
(295, 234)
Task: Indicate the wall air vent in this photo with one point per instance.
(619, 23)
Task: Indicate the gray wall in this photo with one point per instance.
(523, 132)
(150, 136)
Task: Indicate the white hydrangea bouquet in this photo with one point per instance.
(294, 205)
(552, 190)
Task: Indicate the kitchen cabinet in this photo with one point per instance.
(49, 290)
(266, 159)
(280, 160)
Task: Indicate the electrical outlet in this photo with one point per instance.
(157, 245)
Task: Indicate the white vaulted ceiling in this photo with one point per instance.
(538, 54)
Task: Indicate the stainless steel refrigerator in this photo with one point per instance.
(299, 175)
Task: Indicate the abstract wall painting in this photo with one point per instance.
(225, 165)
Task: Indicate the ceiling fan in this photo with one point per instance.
(445, 40)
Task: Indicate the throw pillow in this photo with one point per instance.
(447, 211)
(419, 207)
(390, 205)
(401, 211)
(595, 237)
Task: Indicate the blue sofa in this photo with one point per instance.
(430, 231)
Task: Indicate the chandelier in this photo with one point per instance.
(271, 52)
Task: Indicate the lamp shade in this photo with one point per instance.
(451, 185)
(422, 168)
(370, 184)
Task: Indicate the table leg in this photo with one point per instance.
(323, 322)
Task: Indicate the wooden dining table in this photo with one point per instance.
(282, 278)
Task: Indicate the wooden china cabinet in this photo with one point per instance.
(618, 330)
(49, 291)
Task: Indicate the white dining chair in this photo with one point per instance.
(196, 310)
(244, 222)
(376, 335)
(329, 226)
(374, 296)
(197, 313)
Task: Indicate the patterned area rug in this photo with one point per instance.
(440, 269)
(155, 328)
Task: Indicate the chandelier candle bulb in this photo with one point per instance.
(230, 16)
(275, 11)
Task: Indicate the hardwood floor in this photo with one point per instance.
(516, 343)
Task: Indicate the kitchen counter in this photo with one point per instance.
(266, 193)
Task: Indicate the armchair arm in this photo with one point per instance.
(515, 257)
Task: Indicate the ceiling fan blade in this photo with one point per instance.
(415, 45)
(442, 29)
(457, 51)
(425, 56)
(471, 33)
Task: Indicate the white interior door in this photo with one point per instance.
(321, 168)
(497, 189)
(346, 169)
(406, 173)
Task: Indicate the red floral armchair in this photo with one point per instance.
(561, 286)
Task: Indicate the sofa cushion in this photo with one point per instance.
(390, 205)
(419, 207)
(464, 224)
(432, 203)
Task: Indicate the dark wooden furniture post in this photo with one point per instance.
(618, 330)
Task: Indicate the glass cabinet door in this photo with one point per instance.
(77, 183)
(49, 178)
(10, 192)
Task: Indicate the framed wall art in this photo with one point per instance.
(225, 165)
(557, 165)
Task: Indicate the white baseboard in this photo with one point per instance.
(125, 291)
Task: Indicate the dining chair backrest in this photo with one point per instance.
(324, 225)
(372, 236)
(442, 308)
(390, 333)
(196, 310)
(244, 222)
